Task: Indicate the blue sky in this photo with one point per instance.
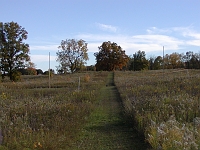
(145, 25)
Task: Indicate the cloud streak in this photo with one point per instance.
(132, 44)
(42, 58)
(44, 47)
(106, 27)
(174, 39)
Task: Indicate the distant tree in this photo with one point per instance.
(194, 62)
(72, 53)
(91, 68)
(175, 60)
(151, 63)
(31, 68)
(167, 62)
(13, 51)
(60, 70)
(139, 62)
(187, 59)
(30, 65)
(81, 67)
(31, 71)
(47, 72)
(110, 57)
(23, 71)
(158, 63)
(39, 71)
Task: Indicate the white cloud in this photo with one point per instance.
(106, 27)
(44, 47)
(42, 58)
(193, 37)
(155, 30)
(194, 42)
(174, 39)
(93, 47)
(131, 44)
(42, 62)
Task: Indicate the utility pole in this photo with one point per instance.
(163, 61)
(1, 35)
(49, 72)
(2, 39)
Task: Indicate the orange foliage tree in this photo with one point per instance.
(110, 57)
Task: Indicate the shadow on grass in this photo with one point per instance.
(120, 135)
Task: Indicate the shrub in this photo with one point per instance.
(16, 76)
(86, 78)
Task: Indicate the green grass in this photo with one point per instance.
(108, 128)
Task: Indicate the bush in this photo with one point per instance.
(87, 78)
(16, 76)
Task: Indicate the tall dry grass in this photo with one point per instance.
(33, 116)
(165, 106)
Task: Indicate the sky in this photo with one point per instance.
(145, 25)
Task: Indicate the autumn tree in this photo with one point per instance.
(28, 70)
(175, 60)
(110, 57)
(139, 61)
(13, 51)
(31, 68)
(71, 55)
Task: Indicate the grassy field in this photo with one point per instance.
(33, 116)
(108, 127)
(165, 106)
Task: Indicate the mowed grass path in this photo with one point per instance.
(108, 128)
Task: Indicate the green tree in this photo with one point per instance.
(13, 51)
(72, 54)
(151, 63)
(110, 57)
(187, 57)
(167, 62)
(39, 71)
(52, 72)
(158, 63)
(194, 61)
(139, 62)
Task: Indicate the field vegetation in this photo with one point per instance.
(34, 116)
(165, 106)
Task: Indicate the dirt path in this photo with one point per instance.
(108, 128)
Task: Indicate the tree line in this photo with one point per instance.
(112, 57)
(189, 60)
(72, 56)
